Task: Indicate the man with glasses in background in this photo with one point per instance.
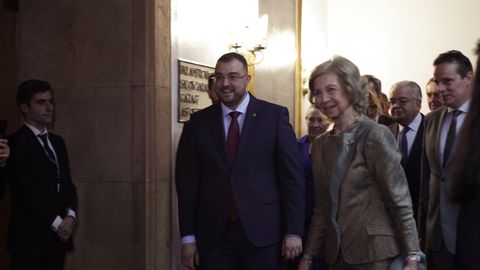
(405, 105)
(239, 179)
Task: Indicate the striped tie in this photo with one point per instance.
(48, 150)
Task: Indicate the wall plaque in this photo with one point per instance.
(192, 88)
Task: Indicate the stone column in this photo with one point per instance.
(109, 62)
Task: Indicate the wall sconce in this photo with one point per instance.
(251, 40)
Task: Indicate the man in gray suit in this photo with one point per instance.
(453, 75)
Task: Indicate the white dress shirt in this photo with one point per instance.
(411, 134)
(58, 220)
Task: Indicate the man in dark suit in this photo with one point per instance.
(239, 179)
(44, 199)
(405, 105)
(4, 153)
(453, 75)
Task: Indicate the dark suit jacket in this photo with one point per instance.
(413, 169)
(35, 200)
(266, 177)
(385, 120)
(3, 179)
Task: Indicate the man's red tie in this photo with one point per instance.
(232, 137)
(232, 142)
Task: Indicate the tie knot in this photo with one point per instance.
(43, 137)
(406, 129)
(234, 115)
(456, 113)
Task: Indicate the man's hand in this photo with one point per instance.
(292, 246)
(4, 151)
(66, 228)
(189, 255)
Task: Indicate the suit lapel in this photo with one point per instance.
(36, 146)
(247, 129)
(417, 146)
(218, 132)
(33, 141)
(440, 121)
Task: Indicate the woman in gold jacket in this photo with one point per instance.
(363, 215)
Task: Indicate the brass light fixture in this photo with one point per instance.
(250, 41)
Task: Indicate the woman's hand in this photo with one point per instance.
(305, 263)
(411, 265)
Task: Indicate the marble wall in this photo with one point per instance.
(275, 75)
(110, 68)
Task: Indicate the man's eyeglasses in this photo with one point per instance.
(231, 77)
(399, 101)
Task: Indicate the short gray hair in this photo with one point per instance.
(415, 91)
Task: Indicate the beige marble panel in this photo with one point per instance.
(143, 48)
(113, 134)
(139, 134)
(164, 118)
(74, 121)
(275, 82)
(163, 225)
(162, 44)
(151, 137)
(105, 225)
(150, 229)
(103, 42)
(46, 41)
(139, 220)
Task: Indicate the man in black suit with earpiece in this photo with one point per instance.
(44, 198)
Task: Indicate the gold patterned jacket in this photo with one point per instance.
(367, 214)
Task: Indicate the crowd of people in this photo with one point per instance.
(374, 184)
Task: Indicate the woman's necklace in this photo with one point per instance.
(337, 131)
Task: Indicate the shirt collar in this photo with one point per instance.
(464, 108)
(242, 107)
(35, 130)
(415, 124)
